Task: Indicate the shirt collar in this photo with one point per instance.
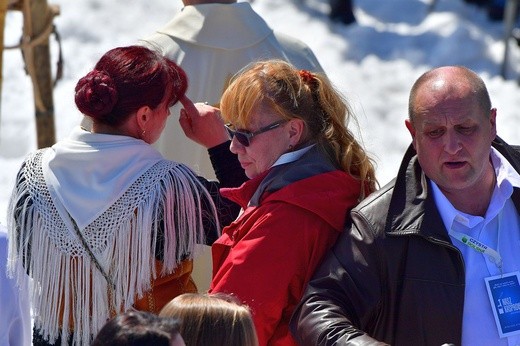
(292, 156)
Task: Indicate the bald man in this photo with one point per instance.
(433, 257)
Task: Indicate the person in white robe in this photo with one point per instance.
(213, 40)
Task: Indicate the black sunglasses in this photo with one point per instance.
(244, 137)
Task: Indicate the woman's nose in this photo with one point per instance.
(235, 147)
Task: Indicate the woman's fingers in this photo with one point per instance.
(202, 123)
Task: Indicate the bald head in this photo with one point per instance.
(447, 82)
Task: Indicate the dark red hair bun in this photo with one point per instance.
(96, 94)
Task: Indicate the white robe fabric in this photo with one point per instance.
(212, 42)
(15, 314)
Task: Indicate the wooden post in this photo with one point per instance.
(510, 15)
(38, 62)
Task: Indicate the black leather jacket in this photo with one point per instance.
(393, 276)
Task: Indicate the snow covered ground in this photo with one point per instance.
(373, 62)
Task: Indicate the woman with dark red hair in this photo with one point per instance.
(101, 221)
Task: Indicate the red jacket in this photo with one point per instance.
(267, 256)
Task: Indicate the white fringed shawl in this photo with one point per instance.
(122, 234)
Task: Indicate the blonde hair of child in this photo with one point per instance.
(212, 319)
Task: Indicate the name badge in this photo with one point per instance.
(504, 295)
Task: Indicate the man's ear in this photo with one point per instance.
(493, 122)
(411, 129)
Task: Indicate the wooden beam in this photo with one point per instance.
(510, 16)
(38, 62)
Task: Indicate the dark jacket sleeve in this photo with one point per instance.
(226, 166)
(341, 300)
(229, 173)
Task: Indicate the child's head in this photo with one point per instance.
(212, 319)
